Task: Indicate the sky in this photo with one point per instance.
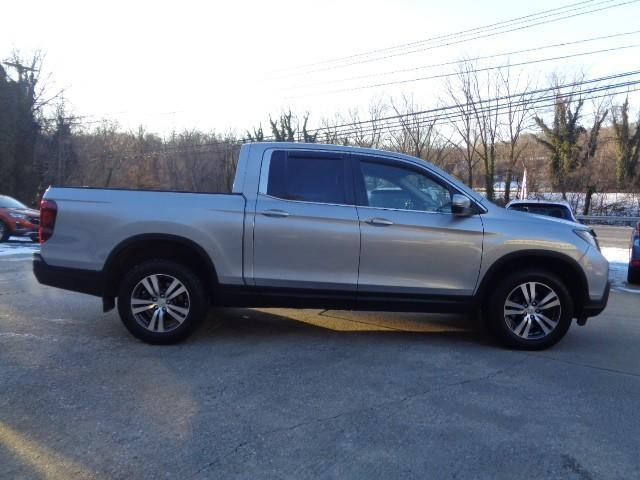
(227, 65)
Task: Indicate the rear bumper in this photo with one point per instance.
(76, 280)
(595, 307)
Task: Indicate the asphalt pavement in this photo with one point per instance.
(309, 394)
(612, 236)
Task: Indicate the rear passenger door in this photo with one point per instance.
(306, 232)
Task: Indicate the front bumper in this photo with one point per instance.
(593, 308)
(74, 279)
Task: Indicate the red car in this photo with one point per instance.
(18, 220)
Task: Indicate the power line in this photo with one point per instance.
(455, 62)
(424, 115)
(542, 90)
(388, 127)
(77, 117)
(485, 69)
(488, 106)
(444, 36)
(497, 109)
(392, 55)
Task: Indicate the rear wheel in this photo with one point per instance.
(633, 274)
(530, 310)
(4, 232)
(161, 302)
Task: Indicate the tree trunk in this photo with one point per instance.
(108, 180)
(507, 186)
(591, 189)
(489, 175)
(488, 180)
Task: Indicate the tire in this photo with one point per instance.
(4, 232)
(633, 275)
(151, 317)
(527, 323)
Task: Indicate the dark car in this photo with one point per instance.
(633, 273)
(17, 220)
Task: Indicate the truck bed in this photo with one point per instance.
(91, 221)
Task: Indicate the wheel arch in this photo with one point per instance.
(139, 248)
(563, 266)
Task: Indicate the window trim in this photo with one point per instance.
(349, 194)
(361, 190)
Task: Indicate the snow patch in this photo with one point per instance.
(17, 246)
(616, 255)
(8, 252)
(618, 264)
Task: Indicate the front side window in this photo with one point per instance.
(400, 188)
(307, 178)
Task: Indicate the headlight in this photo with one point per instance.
(588, 237)
(18, 215)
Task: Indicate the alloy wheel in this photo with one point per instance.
(532, 310)
(160, 303)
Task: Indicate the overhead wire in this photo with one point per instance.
(459, 41)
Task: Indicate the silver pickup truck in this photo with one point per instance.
(321, 226)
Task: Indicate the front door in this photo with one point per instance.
(411, 242)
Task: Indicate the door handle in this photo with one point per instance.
(275, 213)
(379, 221)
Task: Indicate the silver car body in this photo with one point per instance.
(257, 240)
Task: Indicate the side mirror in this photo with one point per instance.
(461, 205)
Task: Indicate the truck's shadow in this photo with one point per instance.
(227, 323)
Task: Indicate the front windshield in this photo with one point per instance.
(8, 202)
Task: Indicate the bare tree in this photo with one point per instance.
(330, 132)
(462, 120)
(485, 105)
(304, 134)
(257, 135)
(518, 105)
(627, 144)
(585, 170)
(417, 134)
(367, 133)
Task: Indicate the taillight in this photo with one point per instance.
(48, 212)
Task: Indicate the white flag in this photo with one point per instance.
(523, 185)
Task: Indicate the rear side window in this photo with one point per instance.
(307, 178)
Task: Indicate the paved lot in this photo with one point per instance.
(613, 236)
(290, 394)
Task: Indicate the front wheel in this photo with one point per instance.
(161, 302)
(530, 310)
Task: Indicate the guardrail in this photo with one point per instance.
(608, 220)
